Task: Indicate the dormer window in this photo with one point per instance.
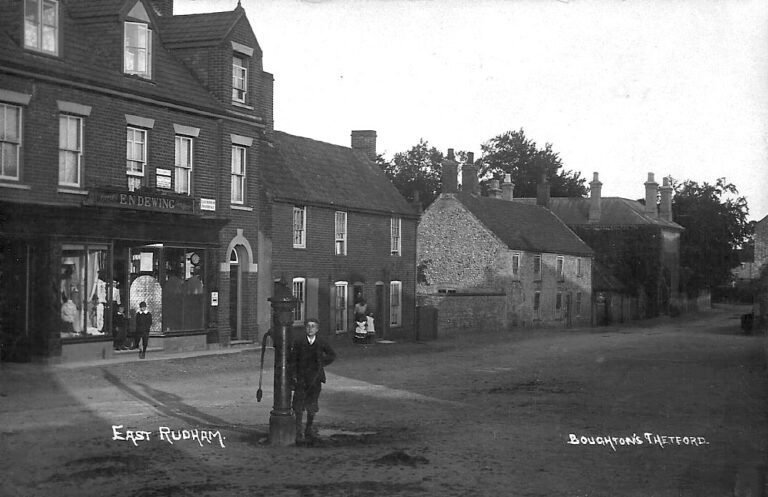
(41, 25)
(137, 48)
(239, 79)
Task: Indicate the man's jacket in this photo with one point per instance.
(306, 362)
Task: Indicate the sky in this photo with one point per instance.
(620, 87)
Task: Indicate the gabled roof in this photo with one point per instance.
(85, 59)
(199, 28)
(523, 226)
(614, 211)
(306, 171)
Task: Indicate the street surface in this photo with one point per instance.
(673, 407)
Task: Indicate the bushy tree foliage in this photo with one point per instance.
(415, 170)
(716, 226)
(512, 152)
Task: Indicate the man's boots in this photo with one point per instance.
(299, 434)
(311, 432)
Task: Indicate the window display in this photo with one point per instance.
(84, 288)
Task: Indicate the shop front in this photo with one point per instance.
(104, 258)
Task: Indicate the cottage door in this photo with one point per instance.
(568, 310)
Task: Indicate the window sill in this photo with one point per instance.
(300, 247)
(17, 186)
(240, 208)
(71, 191)
(242, 105)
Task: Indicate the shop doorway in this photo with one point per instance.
(14, 294)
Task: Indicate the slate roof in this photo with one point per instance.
(307, 171)
(209, 27)
(91, 8)
(523, 226)
(85, 59)
(615, 211)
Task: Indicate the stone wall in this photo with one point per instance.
(462, 313)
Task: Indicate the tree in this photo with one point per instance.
(416, 170)
(715, 222)
(513, 153)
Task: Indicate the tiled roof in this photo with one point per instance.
(85, 59)
(91, 8)
(615, 211)
(309, 171)
(213, 26)
(523, 226)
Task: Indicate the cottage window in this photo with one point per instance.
(41, 25)
(394, 241)
(560, 268)
(238, 174)
(183, 164)
(536, 305)
(239, 78)
(537, 268)
(138, 49)
(299, 227)
(516, 266)
(70, 150)
(300, 293)
(341, 233)
(340, 306)
(578, 303)
(10, 141)
(559, 305)
(579, 271)
(136, 156)
(395, 303)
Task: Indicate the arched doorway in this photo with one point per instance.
(236, 256)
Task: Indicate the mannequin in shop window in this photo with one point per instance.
(99, 299)
(68, 314)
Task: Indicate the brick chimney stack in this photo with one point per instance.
(494, 191)
(469, 181)
(665, 208)
(365, 142)
(507, 188)
(163, 8)
(651, 192)
(542, 192)
(595, 197)
(449, 173)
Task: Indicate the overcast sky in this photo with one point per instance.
(674, 87)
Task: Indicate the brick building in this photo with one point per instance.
(761, 244)
(335, 229)
(528, 266)
(637, 243)
(131, 151)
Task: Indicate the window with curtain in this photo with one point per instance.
(183, 165)
(238, 174)
(41, 25)
(10, 141)
(70, 149)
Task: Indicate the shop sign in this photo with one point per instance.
(144, 199)
(207, 204)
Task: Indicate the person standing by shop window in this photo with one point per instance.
(143, 324)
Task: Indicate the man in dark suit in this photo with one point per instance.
(306, 362)
(143, 324)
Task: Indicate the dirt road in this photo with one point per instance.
(672, 408)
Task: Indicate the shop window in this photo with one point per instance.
(171, 281)
(10, 141)
(41, 25)
(84, 288)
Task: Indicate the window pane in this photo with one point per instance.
(10, 160)
(68, 173)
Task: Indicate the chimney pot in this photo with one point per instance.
(507, 188)
(595, 199)
(665, 206)
(471, 157)
(450, 174)
(450, 154)
(469, 181)
(651, 194)
(494, 190)
(542, 192)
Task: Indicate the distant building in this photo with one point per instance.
(639, 244)
(531, 267)
(761, 244)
